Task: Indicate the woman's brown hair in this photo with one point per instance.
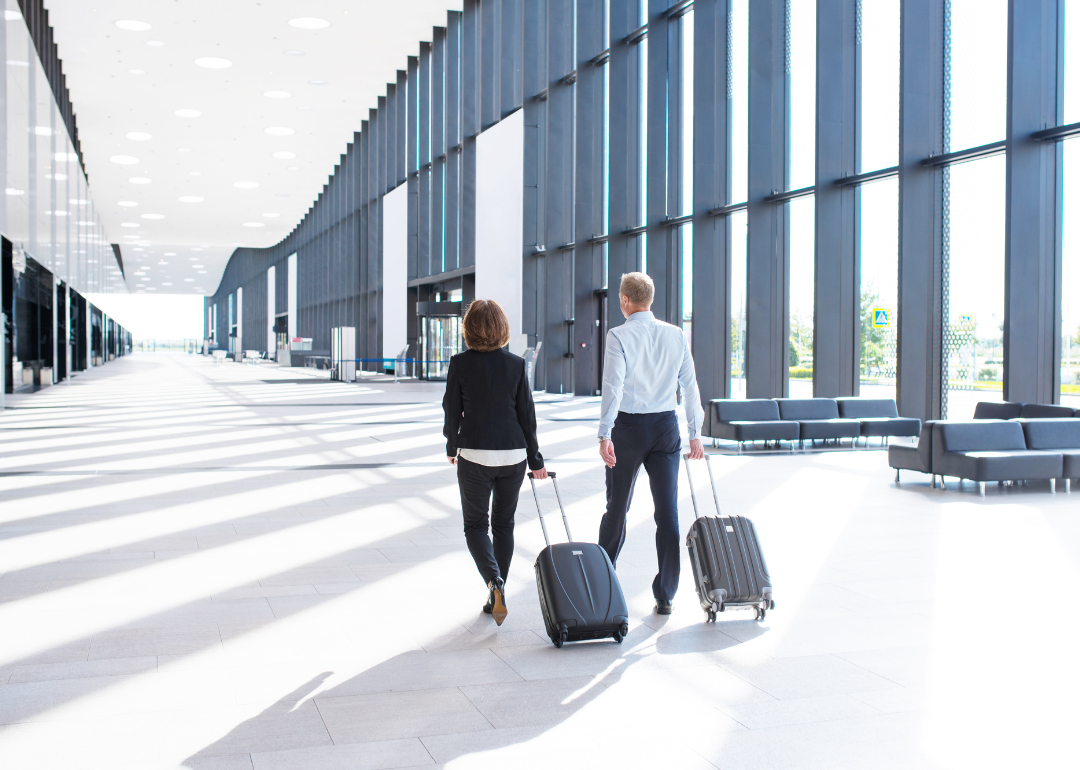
(485, 326)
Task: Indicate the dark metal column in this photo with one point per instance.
(470, 126)
(559, 190)
(711, 335)
(766, 248)
(1032, 205)
(533, 309)
(588, 195)
(438, 150)
(413, 200)
(663, 169)
(423, 257)
(452, 194)
(836, 293)
(918, 380)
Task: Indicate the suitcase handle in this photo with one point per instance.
(712, 483)
(540, 511)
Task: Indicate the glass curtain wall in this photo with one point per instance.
(878, 38)
(737, 223)
(973, 233)
(1070, 236)
(686, 177)
(739, 92)
(802, 68)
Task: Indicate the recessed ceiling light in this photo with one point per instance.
(183, 149)
(12, 15)
(14, 191)
(187, 113)
(194, 173)
(253, 224)
(202, 272)
(276, 94)
(293, 168)
(196, 249)
(309, 22)
(139, 180)
(155, 43)
(78, 201)
(127, 204)
(139, 136)
(65, 157)
(136, 72)
(245, 185)
(133, 26)
(279, 131)
(17, 62)
(170, 253)
(124, 160)
(271, 215)
(151, 288)
(129, 224)
(284, 155)
(153, 216)
(294, 53)
(317, 82)
(166, 283)
(190, 199)
(213, 63)
(192, 280)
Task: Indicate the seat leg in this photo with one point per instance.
(1068, 482)
(982, 489)
(1053, 486)
(897, 475)
(933, 480)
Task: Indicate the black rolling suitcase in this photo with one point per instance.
(729, 568)
(580, 595)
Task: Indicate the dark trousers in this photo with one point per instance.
(651, 440)
(500, 484)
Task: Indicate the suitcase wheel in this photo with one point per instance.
(761, 613)
(710, 616)
(559, 640)
(620, 633)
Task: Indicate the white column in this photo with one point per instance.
(292, 296)
(271, 288)
(395, 293)
(239, 323)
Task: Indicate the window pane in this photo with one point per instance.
(878, 268)
(686, 242)
(803, 90)
(686, 195)
(739, 87)
(879, 133)
(975, 52)
(738, 304)
(1070, 279)
(1072, 61)
(801, 298)
(974, 285)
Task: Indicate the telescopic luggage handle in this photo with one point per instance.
(539, 510)
(712, 483)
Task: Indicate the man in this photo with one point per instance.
(644, 361)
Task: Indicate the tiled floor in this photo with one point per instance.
(234, 567)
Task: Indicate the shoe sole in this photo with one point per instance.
(498, 611)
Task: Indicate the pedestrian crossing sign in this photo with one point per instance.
(882, 318)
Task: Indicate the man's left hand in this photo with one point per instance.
(697, 451)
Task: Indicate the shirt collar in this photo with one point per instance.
(641, 315)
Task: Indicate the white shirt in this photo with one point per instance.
(493, 457)
(644, 362)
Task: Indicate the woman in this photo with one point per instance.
(490, 431)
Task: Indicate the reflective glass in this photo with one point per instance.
(879, 132)
(685, 237)
(801, 298)
(739, 89)
(975, 54)
(803, 23)
(973, 290)
(686, 195)
(1072, 61)
(1070, 279)
(738, 304)
(878, 269)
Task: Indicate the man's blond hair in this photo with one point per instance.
(638, 288)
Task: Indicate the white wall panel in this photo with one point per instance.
(395, 295)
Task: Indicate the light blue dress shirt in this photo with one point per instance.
(644, 361)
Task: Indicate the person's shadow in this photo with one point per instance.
(456, 690)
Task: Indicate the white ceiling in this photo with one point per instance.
(129, 82)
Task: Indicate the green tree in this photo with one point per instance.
(793, 354)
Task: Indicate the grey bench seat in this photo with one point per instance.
(995, 410)
(756, 419)
(1042, 411)
(878, 417)
(915, 458)
(990, 450)
(1056, 435)
(818, 418)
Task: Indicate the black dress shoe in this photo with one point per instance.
(490, 600)
(663, 607)
(498, 606)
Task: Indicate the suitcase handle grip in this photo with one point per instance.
(550, 473)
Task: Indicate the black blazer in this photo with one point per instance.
(488, 405)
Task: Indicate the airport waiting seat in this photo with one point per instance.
(1056, 435)
(878, 417)
(915, 458)
(756, 419)
(990, 450)
(818, 418)
(996, 410)
(1042, 411)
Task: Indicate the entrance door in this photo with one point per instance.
(441, 339)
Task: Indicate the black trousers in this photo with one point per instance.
(650, 440)
(499, 484)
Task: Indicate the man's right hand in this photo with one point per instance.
(607, 453)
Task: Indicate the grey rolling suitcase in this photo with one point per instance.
(580, 595)
(725, 555)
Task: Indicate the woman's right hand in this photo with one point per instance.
(540, 474)
(452, 460)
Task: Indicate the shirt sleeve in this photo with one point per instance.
(614, 377)
(452, 409)
(695, 415)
